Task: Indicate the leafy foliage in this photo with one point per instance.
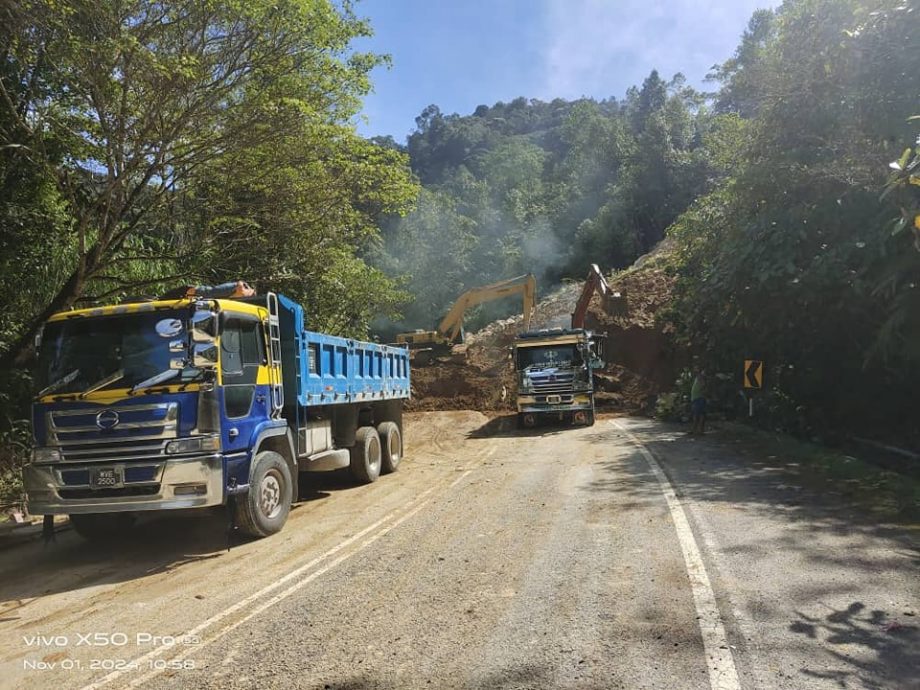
(530, 186)
(794, 258)
(145, 144)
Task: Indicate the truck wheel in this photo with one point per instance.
(100, 526)
(265, 507)
(589, 418)
(365, 455)
(391, 443)
(526, 420)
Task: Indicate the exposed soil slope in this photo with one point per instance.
(641, 362)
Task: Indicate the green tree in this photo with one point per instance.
(795, 248)
(119, 105)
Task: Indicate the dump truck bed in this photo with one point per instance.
(328, 370)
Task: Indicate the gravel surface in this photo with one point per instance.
(492, 559)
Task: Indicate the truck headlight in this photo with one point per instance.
(197, 444)
(46, 455)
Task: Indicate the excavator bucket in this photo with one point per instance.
(613, 303)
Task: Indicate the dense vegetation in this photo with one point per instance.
(799, 257)
(547, 188)
(145, 145)
(791, 195)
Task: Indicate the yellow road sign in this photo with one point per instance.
(753, 373)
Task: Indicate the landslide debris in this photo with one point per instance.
(641, 361)
(479, 376)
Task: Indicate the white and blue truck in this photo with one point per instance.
(555, 375)
(204, 401)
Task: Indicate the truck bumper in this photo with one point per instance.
(194, 482)
(567, 403)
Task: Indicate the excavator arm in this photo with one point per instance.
(452, 324)
(595, 282)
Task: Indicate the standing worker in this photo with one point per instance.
(698, 403)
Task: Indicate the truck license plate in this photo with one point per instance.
(553, 399)
(105, 478)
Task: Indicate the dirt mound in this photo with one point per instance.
(636, 341)
(461, 386)
(641, 359)
(480, 375)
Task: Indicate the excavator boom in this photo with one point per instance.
(452, 324)
(450, 329)
(595, 282)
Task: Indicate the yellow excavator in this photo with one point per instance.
(426, 345)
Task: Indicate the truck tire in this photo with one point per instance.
(391, 445)
(366, 455)
(264, 509)
(100, 526)
(526, 420)
(589, 418)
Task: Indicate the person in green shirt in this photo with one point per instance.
(698, 404)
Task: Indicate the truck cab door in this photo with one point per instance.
(244, 378)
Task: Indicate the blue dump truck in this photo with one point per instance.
(203, 401)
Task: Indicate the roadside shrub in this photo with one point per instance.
(675, 405)
(671, 407)
(15, 443)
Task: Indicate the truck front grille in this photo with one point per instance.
(140, 433)
(557, 383)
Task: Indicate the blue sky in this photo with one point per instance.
(461, 53)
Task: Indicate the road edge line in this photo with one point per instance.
(723, 675)
(410, 509)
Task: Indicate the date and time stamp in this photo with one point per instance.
(98, 651)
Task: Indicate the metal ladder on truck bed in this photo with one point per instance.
(274, 340)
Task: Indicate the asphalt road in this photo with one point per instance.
(627, 555)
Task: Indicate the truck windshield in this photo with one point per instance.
(548, 356)
(83, 355)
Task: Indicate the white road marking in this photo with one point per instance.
(722, 672)
(243, 603)
(194, 632)
(217, 634)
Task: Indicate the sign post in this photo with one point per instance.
(752, 378)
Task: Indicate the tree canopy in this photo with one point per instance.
(790, 193)
(148, 143)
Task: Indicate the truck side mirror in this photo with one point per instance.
(204, 326)
(204, 355)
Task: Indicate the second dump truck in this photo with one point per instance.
(555, 375)
(204, 401)
(555, 367)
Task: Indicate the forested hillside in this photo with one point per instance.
(790, 193)
(144, 146)
(529, 186)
